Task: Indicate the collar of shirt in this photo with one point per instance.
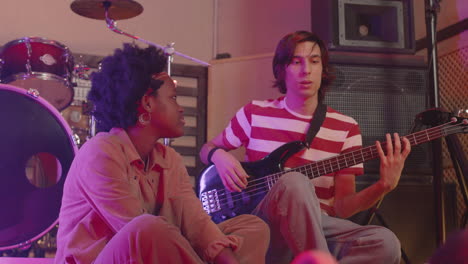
(157, 157)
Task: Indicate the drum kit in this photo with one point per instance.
(47, 126)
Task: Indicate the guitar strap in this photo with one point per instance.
(315, 123)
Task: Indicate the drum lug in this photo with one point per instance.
(2, 62)
(76, 139)
(25, 245)
(33, 92)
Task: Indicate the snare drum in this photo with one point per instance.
(41, 64)
(35, 155)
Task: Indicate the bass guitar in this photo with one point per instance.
(222, 204)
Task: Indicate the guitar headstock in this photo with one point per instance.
(462, 113)
(437, 117)
(459, 122)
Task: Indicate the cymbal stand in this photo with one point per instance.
(169, 49)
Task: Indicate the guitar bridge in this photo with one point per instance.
(210, 201)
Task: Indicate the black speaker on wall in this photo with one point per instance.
(383, 94)
(384, 26)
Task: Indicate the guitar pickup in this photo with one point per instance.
(210, 201)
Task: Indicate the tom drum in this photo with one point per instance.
(41, 64)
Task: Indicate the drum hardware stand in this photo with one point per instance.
(435, 117)
(81, 7)
(460, 165)
(374, 211)
(169, 49)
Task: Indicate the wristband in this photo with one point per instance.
(210, 154)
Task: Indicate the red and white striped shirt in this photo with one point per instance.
(263, 126)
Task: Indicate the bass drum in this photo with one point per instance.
(35, 155)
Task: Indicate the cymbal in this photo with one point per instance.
(119, 9)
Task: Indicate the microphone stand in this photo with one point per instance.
(431, 8)
(460, 165)
(169, 49)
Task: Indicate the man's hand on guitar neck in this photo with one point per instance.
(392, 163)
(392, 159)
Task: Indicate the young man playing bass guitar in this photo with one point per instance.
(308, 214)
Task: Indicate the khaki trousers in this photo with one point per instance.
(149, 239)
(292, 210)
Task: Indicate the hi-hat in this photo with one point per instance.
(117, 9)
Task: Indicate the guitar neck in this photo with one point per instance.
(361, 155)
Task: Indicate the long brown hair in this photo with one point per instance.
(285, 52)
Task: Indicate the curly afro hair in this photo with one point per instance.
(123, 79)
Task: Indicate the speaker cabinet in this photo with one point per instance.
(383, 94)
(365, 25)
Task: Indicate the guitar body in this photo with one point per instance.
(221, 204)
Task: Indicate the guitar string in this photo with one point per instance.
(418, 138)
(264, 183)
(352, 154)
(422, 137)
(312, 166)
